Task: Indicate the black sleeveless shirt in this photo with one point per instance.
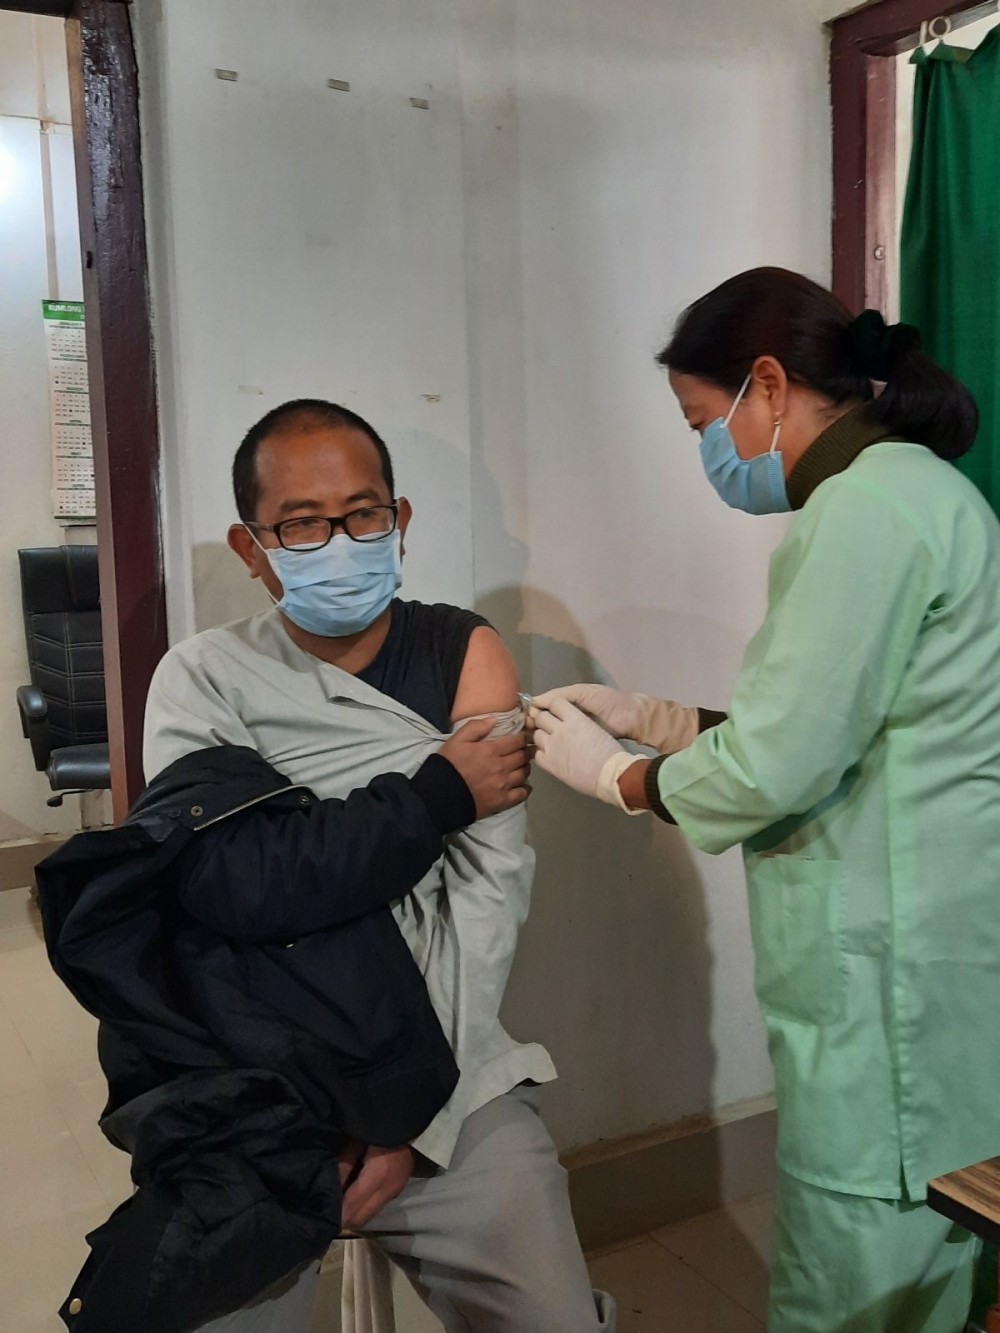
(421, 660)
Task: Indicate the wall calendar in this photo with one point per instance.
(69, 398)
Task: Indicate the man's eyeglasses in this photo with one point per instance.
(370, 524)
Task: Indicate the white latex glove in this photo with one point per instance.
(660, 723)
(573, 748)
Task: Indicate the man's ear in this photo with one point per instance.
(246, 548)
(403, 516)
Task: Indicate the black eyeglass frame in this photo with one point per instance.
(335, 521)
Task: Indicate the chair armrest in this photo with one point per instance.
(31, 702)
(35, 723)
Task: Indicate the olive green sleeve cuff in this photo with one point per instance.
(651, 790)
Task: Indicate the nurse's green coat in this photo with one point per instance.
(860, 769)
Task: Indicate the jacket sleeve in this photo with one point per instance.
(274, 873)
(849, 590)
(277, 874)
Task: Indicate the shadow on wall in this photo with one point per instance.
(223, 588)
(613, 972)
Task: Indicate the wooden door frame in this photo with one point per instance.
(863, 48)
(105, 104)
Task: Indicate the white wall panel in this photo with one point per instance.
(488, 281)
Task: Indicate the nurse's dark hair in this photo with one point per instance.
(774, 312)
(301, 414)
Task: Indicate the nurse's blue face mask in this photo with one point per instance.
(755, 485)
(340, 589)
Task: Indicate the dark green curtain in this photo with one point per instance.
(950, 272)
(950, 244)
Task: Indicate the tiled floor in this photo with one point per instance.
(59, 1178)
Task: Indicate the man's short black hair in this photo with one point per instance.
(307, 413)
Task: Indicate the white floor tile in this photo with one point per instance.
(44, 1173)
(17, 909)
(730, 1248)
(18, 1072)
(22, 935)
(38, 1264)
(81, 1105)
(656, 1293)
(593, 1255)
(61, 1037)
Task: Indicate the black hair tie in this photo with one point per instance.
(876, 346)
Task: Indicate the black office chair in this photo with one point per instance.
(63, 712)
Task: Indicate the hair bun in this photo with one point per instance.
(877, 346)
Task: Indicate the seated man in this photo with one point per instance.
(340, 683)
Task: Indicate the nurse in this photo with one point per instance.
(859, 768)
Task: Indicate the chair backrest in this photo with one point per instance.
(60, 596)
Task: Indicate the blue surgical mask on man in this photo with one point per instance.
(339, 589)
(755, 485)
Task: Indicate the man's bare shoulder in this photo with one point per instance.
(488, 683)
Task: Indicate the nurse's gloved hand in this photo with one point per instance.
(573, 748)
(660, 723)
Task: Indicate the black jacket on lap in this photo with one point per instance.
(258, 1006)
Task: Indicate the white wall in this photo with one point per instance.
(650, 153)
(39, 258)
(310, 245)
(488, 281)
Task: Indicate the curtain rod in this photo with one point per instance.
(938, 29)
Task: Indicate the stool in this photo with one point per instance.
(366, 1304)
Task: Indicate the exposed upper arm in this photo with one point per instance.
(488, 683)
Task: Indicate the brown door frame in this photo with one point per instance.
(105, 101)
(863, 99)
